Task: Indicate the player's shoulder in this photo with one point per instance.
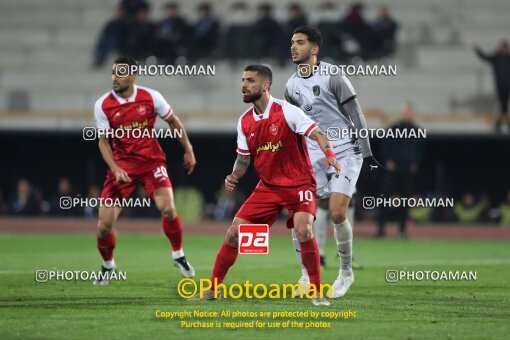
(332, 73)
(99, 103)
(292, 79)
(150, 91)
(325, 71)
(288, 109)
(285, 105)
(246, 115)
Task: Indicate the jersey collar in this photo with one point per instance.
(130, 99)
(312, 73)
(266, 111)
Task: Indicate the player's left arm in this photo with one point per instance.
(349, 106)
(189, 157)
(165, 111)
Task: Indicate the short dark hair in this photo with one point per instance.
(126, 60)
(263, 70)
(312, 33)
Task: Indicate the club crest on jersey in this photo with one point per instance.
(316, 90)
(141, 110)
(273, 129)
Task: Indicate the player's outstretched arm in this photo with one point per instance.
(107, 153)
(326, 147)
(189, 157)
(240, 167)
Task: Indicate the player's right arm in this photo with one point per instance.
(106, 151)
(105, 147)
(242, 161)
(320, 137)
(240, 167)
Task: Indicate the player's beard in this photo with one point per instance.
(121, 88)
(251, 98)
(305, 57)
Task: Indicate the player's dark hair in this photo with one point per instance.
(312, 33)
(263, 70)
(126, 60)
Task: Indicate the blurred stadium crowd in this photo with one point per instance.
(470, 208)
(28, 200)
(131, 32)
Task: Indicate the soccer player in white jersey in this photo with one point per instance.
(330, 100)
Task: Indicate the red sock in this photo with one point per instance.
(106, 246)
(225, 258)
(173, 230)
(311, 261)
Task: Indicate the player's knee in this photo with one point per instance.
(232, 236)
(303, 232)
(338, 216)
(104, 228)
(168, 211)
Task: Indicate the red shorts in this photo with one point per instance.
(152, 178)
(265, 203)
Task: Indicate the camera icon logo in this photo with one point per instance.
(392, 276)
(369, 202)
(304, 70)
(333, 133)
(121, 70)
(66, 202)
(41, 276)
(89, 133)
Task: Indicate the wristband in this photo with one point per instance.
(330, 153)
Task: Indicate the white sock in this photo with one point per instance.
(350, 214)
(177, 254)
(297, 248)
(109, 264)
(343, 238)
(320, 227)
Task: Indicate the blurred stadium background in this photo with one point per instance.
(55, 58)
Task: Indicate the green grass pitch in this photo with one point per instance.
(126, 309)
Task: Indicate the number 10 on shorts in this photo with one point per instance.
(253, 239)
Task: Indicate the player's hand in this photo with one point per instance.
(331, 161)
(189, 161)
(121, 176)
(373, 175)
(231, 181)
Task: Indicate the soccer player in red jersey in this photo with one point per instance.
(137, 160)
(271, 133)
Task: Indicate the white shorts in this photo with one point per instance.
(350, 167)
